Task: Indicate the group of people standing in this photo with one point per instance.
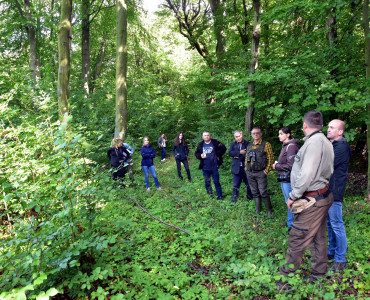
(312, 178)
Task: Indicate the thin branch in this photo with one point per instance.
(144, 210)
(95, 12)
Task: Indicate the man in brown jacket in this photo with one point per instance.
(311, 172)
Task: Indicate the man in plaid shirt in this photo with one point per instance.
(258, 162)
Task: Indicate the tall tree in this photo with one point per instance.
(253, 63)
(121, 70)
(218, 11)
(64, 50)
(192, 19)
(85, 45)
(366, 21)
(90, 10)
(28, 20)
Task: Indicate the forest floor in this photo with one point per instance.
(87, 239)
(231, 253)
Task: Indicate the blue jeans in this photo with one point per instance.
(237, 180)
(216, 180)
(287, 188)
(163, 156)
(337, 233)
(151, 169)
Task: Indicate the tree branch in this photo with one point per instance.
(163, 222)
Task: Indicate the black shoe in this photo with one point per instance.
(283, 286)
(330, 257)
(220, 198)
(314, 278)
(338, 266)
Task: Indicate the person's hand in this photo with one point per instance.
(203, 156)
(242, 152)
(289, 203)
(273, 167)
(265, 172)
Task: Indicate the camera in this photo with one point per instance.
(251, 156)
(284, 178)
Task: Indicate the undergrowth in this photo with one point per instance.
(69, 232)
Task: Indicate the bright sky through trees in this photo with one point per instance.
(151, 5)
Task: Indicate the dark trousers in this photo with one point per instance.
(216, 180)
(309, 229)
(237, 180)
(258, 184)
(130, 171)
(186, 166)
(163, 154)
(119, 173)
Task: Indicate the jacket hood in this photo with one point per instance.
(292, 141)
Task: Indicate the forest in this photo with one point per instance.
(76, 74)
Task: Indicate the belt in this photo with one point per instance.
(316, 193)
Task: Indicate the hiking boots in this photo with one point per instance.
(267, 202)
(338, 266)
(257, 201)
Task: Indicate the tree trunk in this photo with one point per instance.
(121, 70)
(253, 64)
(331, 36)
(64, 50)
(31, 32)
(99, 63)
(331, 24)
(85, 45)
(367, 63)
(218, 19)
(33, 60)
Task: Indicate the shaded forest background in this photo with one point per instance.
(192, 66)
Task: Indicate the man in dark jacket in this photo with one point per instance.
(210, 152)
(336, 231)
(237, 151)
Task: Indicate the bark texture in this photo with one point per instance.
(121, 70)
(253, 63)
(85, 45)
(367, 63)
(64, 50)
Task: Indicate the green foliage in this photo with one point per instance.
(66, 228)
(80, 235)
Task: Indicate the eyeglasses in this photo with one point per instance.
(256, 133)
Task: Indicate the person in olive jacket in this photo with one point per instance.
(180, 151)
(237, 151)
(210, 152)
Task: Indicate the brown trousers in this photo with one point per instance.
(309, 228)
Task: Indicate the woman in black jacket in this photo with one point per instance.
(180, 151)
(118, 155)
